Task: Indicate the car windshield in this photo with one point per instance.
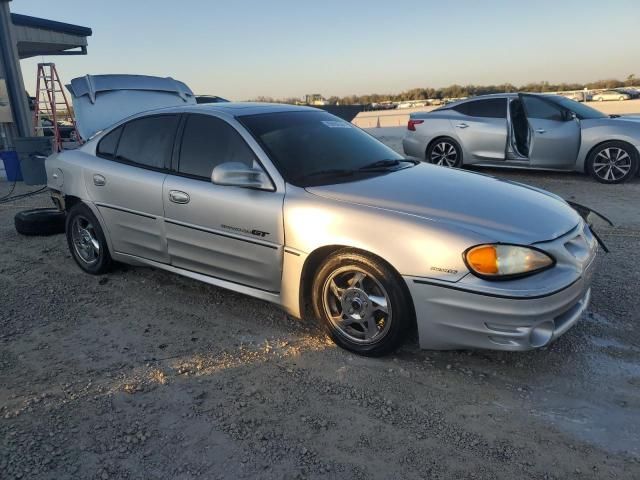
(582, 111)
(316, 148)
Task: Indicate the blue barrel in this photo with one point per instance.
(11, 165)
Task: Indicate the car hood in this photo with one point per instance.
(502, 211)
(630, 120)
(99, 101)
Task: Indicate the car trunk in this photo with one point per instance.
(99, 101)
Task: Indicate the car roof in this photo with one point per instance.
(240, 109)
(487, 96)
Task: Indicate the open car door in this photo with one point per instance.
(554, 132)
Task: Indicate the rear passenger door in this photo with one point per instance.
(126, 184)
(227, 232)
(481, 127)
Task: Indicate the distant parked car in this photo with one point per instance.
(210, 99)
(578, 96)
(633, 93)
(525, 130)
(66, 129)
(610, 95)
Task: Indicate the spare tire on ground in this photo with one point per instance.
(40, 221)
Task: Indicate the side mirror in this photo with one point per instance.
(239, 175)
(569, 115)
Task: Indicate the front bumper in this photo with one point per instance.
(452, 315)
(452, 319)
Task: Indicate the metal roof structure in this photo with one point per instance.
(39, 36)
(23, 36)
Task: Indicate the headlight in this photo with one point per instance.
(502, 262)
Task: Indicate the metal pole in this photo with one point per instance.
(10, 70)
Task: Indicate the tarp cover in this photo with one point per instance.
(99, 101)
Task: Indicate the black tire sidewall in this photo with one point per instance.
(615, 144)
(40, 221)
(401, 307)
(455, 144)
(104, 260)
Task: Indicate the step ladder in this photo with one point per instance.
(52, 107)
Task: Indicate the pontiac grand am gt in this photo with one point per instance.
(290, 204)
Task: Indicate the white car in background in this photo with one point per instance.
(610, 95)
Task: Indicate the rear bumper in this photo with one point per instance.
(450, 318)
(414, 146)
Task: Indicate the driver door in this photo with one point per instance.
(228, 232)
(555, 137)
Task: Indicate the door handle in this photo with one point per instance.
(99, 180)
(462, 125)
(540, 130)
(176, 196)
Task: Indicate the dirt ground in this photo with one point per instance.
(142, 374)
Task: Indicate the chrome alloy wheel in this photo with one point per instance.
(612, 163)
(357, 305)
(85, 240)
(445, 154)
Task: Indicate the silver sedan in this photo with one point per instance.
(297, 207)
(545, 132)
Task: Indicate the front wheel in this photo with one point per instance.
(445, 152)
(86, 241)
(612, 162)
(362, 303)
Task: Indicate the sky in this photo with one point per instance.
(284, 48)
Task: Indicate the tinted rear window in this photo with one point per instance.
(488, 108)
(148, 141)
(207, 142)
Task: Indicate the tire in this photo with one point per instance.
(608, 160)
(351, 290)
(86, 241)
(620, 98)
(40, 221)
(600, 99)
(444, 152)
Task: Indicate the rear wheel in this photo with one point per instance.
(613, 162)
(362, 303)
(445, 152)
(86, 241)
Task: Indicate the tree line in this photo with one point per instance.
(457, 91)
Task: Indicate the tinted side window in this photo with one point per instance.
(208, 142)
(490, 108)
(148, 141)
(107, 146)
(537, 108)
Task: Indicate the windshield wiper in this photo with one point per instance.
(386, 164)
